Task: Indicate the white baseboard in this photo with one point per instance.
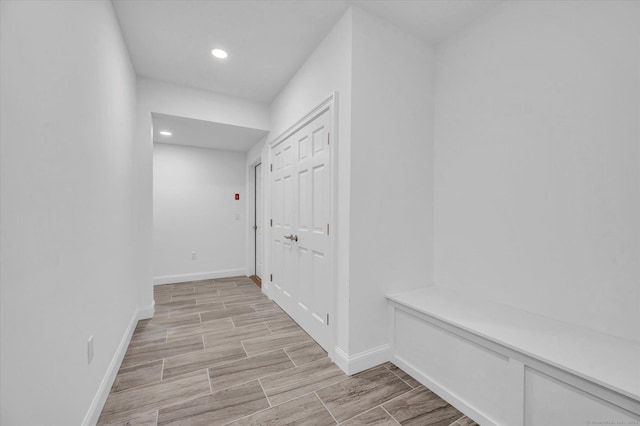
(352, 364)
(146, 313)
(180, 278)
(445, 393)
(93, 414)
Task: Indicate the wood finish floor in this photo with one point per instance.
(219, 352)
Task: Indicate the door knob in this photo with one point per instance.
(291, 237)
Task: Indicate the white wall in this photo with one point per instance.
(385, 108)
(537, 186)
(164, 98)
(391, 173)
(326, 70)
(194, 210)
(69, 206)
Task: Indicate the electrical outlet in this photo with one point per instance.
(194, 255)
(90, 350)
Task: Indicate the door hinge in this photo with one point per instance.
(327, 319)
(270, 277)
(271, 167)
(327, 229)
(270, 222)
(328, 138)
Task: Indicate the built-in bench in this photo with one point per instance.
(505, 366)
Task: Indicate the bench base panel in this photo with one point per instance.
(495, 386)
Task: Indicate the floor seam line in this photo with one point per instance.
(289, 356)
(404, 381)
(390, 415)
(456, 420)
(325, 407)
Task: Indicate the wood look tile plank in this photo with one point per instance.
(277, 341)
(263, 305)
(226, 313)
(225, 284)
(138, 375)
(171, 322)
(184, 298)
(199, 283)
(247, 301)
(216, 298)
(375, 417)
(295, 382)
(422, 407)
(195, 361)
(247, 284)
(149, 353)
(196, 309)
(208, 289)
(146, 419)
(182, 291)
(123, 405)
(185, 284)
(227, 291)
(198, 329)
(305, 353)
(279, 323)
(403, 375)
(234, 335)
(362, 392)
(306, 410)
(162, 299)
(148, 338)
(234, 373)
(227, 279)
(465, 421)
(258, 317)
(216, 409)
(161, 311)
(178, 304)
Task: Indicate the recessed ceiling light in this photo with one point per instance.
(165, 133)
(219, 53)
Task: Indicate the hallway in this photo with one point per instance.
(219, 352)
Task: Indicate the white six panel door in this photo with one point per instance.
(301, 203)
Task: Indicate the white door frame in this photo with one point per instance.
(251, 195)
(258, 220)
(329, 104)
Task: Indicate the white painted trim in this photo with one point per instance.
(518, 362)
(97, 404)
(326, 104)
(180, 278)
(598, 390)
(452, 398)
(352, 364)
(146, 312)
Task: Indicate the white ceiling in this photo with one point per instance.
(267, 40)
(204, 134)
(431, 20)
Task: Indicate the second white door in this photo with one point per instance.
(301, 209)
